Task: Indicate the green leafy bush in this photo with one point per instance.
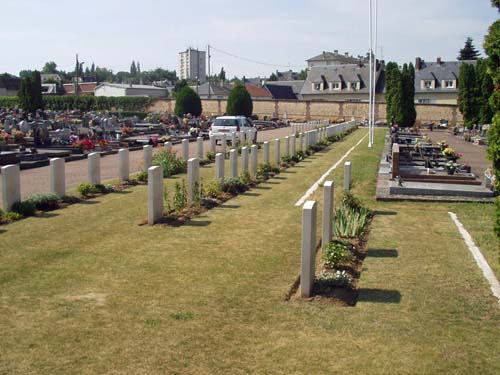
(11, 216)
(170, 163)
(213, 189)
(210, 155)
(234, 185)
(351, 218)
(180, 196)
(239, 102)
(86, 189)
(301, 155)
(142, 176)
(45, 202)
(25, 208)
(187, 101)
(265, 171)
(335, 253)
(339, 278)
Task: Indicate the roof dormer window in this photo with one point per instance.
(428, 84)
(335, 85)
(317, 86)
(449, 84)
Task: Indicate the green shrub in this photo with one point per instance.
(335, 253)
(45, 202)
(286, 159)
(25, 208)
(213, 189)
(169, 162)
(351, 218)
(234, 185)
(301, 155)
(239, 102)
(339, 278)
(264, 171)
(187, 101)
(180, 196)
(86, 189)
(210, 155)
(11, 216)
(142, 176)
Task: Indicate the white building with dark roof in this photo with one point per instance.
(119, 89)
(437, 82)
(192, 65)
(334, 58)
(345, 82)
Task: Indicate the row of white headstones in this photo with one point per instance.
(11, 184)
(309, 220)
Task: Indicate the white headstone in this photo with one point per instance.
(212, 144)
(293, 145)
(57, 177)
(233, 139)
(219, 167)
(199, 143)
(148, 156)
(327, 213)
(265, 158)
(308, 252)
(185, 149)
(254, 160)
(168, 146)
(193, 170)
(277, 152)
(155, 194)
(233, 163)
(301, 141)
(11, 186)
(347, 176)
(287, 145)
(94, 163)
(244, 158)
(123, 164)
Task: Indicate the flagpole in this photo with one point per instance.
(374, 76)
(370, 75)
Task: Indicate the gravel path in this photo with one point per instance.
(35, 181)
(473, 155)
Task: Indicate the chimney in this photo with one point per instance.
(336, 52)
(346, 54)
(438, 60)
(418, 63)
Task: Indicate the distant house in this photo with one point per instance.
(437, 82)
(345, 82)
(285, 90)
(9, 86)
(287, 76)
(258, 92)
(213, 90)
(84, 88)
(119, 89)
(334, 58)
(50, 77)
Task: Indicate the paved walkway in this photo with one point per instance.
(473, 155)
(35, 181)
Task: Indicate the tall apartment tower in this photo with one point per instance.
(192, 65)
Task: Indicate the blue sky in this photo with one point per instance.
(112, 33)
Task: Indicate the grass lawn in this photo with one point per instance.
(87, 290)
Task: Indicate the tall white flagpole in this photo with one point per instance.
(374, 76)
(370, 76)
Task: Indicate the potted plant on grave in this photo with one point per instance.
(19, 136)
(103, 144)
(451, 167)
(449, 153)
(84, 145)
(4, 138)
(442, 144)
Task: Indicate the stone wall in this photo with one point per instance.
(300, 110)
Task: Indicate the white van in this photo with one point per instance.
(228, 124)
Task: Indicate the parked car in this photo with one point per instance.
(228, 124)
(443, 124)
